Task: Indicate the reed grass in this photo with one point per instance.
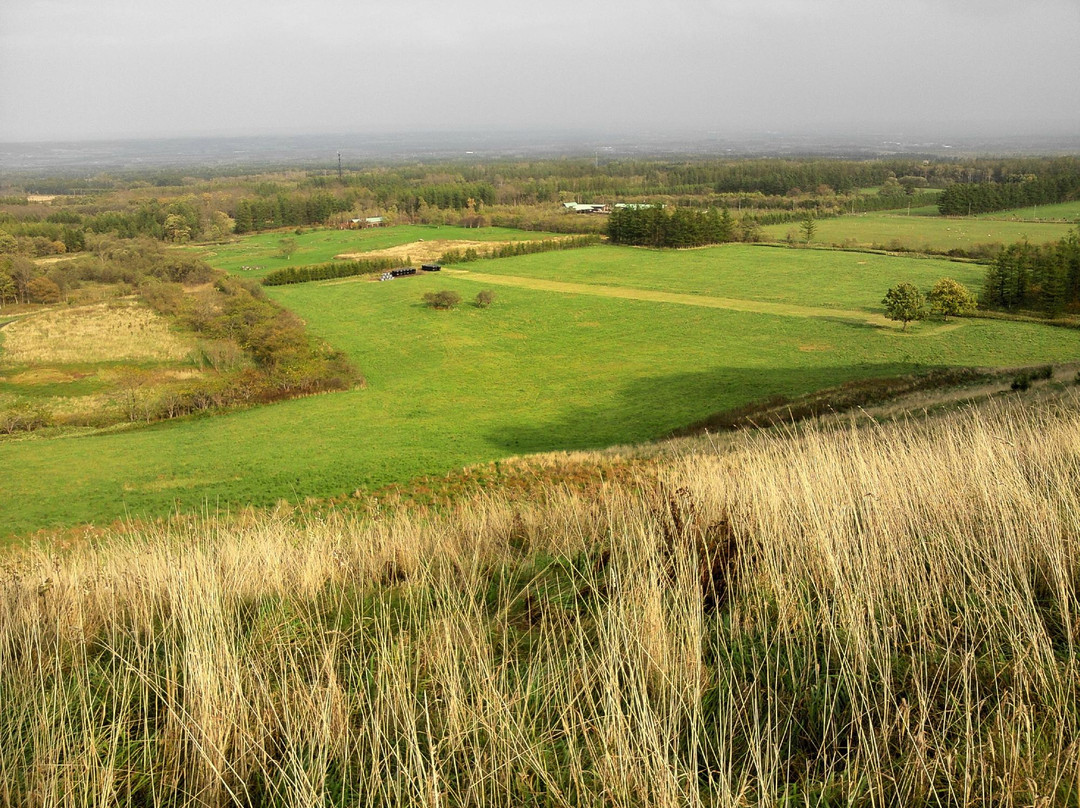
(881, 615)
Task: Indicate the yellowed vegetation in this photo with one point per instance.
(423, 251)
(879, 616)
(103, 332)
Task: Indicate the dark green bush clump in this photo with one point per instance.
(329, 271)
(446, 299)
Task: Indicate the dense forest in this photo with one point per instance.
(1058, 182)
(1036, 278)
(653, 226)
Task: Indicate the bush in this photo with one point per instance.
(445, 299)
(43, 290)
(1021, 382)
(484, 298)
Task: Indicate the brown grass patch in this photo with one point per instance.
(102, 332)
(46, 376)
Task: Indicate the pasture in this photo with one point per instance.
(797, 277)
(923, 232)
(539, 370)
(321, 245)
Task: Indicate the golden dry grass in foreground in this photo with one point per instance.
(875, 616)
(104, 332)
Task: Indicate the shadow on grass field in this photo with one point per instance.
(633, 401)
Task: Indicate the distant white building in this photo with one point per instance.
(370, 221)
(580, 207)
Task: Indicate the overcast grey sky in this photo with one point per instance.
(81, 69)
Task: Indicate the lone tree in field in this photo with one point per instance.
(445, 299)
(904, 303)
(951, 297)
(484, 298)
(286, 247)
(808, 226)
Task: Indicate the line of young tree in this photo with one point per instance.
(1043, 278)
(513, 248)
(655, 226)
(288, 210)
(962, 199)
(328, 271)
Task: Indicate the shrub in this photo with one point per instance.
(43, 290)
(1021, 382)
(951, 297)
(445, 299)
(484, 298)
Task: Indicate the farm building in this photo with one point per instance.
(370, 221)
(592, 207)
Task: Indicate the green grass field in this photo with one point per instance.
(827, 278)
(1068, 212)
(918, 232)
(320, 246)
(537, 371)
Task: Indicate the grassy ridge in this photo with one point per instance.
(885, 616)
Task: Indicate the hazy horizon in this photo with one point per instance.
(119, 69)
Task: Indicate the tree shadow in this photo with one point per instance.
(722, 397)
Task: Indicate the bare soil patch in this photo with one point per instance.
(422, 251)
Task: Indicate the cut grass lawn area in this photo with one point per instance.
(1063, 212)
(537, 371)
(320, 246)
(794, 276)
(922, 233)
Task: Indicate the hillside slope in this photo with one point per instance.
(859, 615)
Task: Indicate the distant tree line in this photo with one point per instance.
(287, 210)
(1043, 278)
(962, 199)
(682, 227)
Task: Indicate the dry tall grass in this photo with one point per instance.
(878, 616)
(103, 332)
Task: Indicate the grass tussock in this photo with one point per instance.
(877, 616)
